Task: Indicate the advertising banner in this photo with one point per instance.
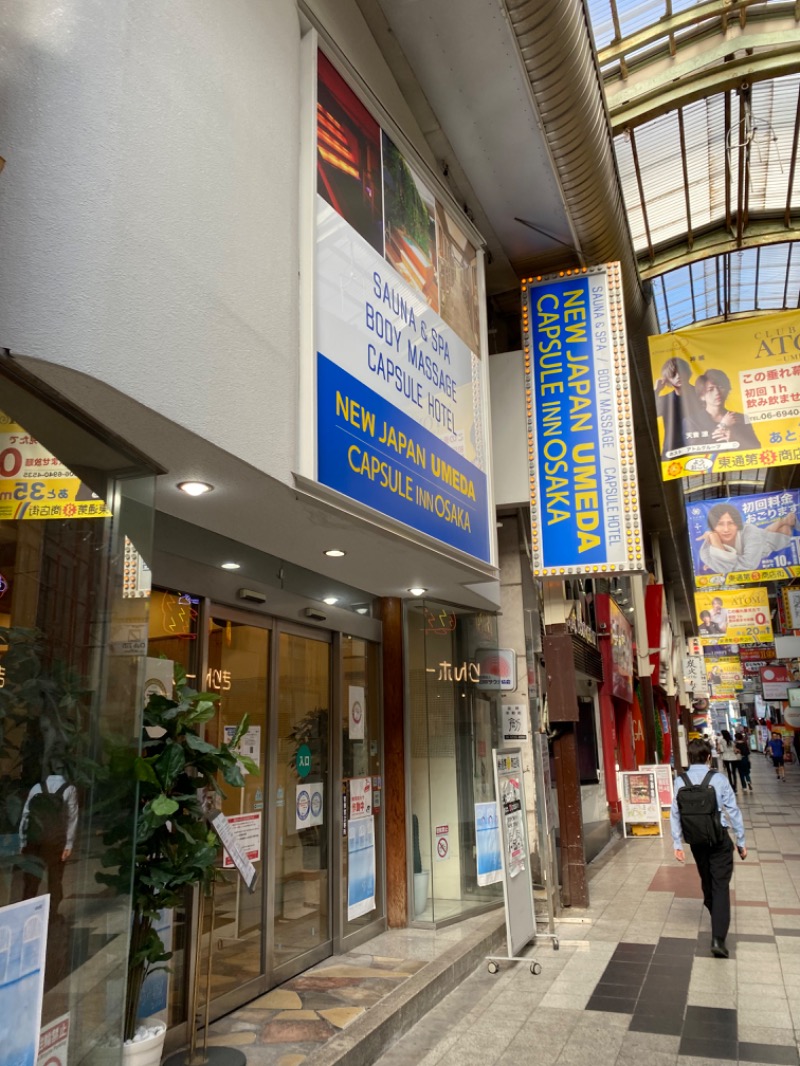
(399, 394)
(733, 616)
(621, 653)
(724, 676)
(584, 492)
(664, 782)
(744, 540)
(246, 829)
(728, 396)
(641, 806)
(34, 484)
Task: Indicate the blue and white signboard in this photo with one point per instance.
(487, 844)
(360, 867)
(584, 491)
(23, 949)
(400, 396)
(745, 540)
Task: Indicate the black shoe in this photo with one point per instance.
(718, 949)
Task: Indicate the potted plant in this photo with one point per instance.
(174, 847)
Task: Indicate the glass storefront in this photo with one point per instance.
(294, 683)
(74, 607)
(454, 722)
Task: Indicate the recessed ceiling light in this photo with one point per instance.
(361, 610)
(230, 566)
(195, 488)
(335, 553)
(330, 600)
(417, 592)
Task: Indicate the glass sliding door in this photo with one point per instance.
(237, 672)
(302, 800)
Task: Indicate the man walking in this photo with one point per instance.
(700, 818)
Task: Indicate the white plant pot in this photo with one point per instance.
(421, 891)
(145, 1052)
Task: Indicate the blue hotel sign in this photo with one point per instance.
(584, 494)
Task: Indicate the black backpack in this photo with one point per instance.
(47, 818)
(697, 804)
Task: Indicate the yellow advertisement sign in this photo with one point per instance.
(34, 484)
(733, 616)
(724, 676)
(728, 396)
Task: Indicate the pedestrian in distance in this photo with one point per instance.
(743, 765)
(703, 808)
(47, 830)
(730, 756)
(775, 752)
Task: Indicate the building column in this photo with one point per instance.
(390, 611)
(574, 885)
(562, 707)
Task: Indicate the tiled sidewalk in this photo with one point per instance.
(636, 983)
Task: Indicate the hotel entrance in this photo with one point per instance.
(283, 677)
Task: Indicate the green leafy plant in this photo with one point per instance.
(173, 844)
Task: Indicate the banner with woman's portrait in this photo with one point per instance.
(745, 540)
(727, 396)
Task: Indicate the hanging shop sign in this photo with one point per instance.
(497, 669)
(398, 387)
(745, 540)
(775, 681)
(34, 484)
(695, 675)
(584, 492)
(728, 396)
(790, 598)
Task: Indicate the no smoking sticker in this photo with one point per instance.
(442, 842)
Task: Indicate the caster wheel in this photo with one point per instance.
(556, 945)
(536, 968)
(493, 967)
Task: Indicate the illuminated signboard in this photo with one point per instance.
(584, 493)
(399, 388)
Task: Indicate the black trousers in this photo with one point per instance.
(715, 866)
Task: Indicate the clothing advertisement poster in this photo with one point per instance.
(360, 867)
(23, 949)
(487, 843)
